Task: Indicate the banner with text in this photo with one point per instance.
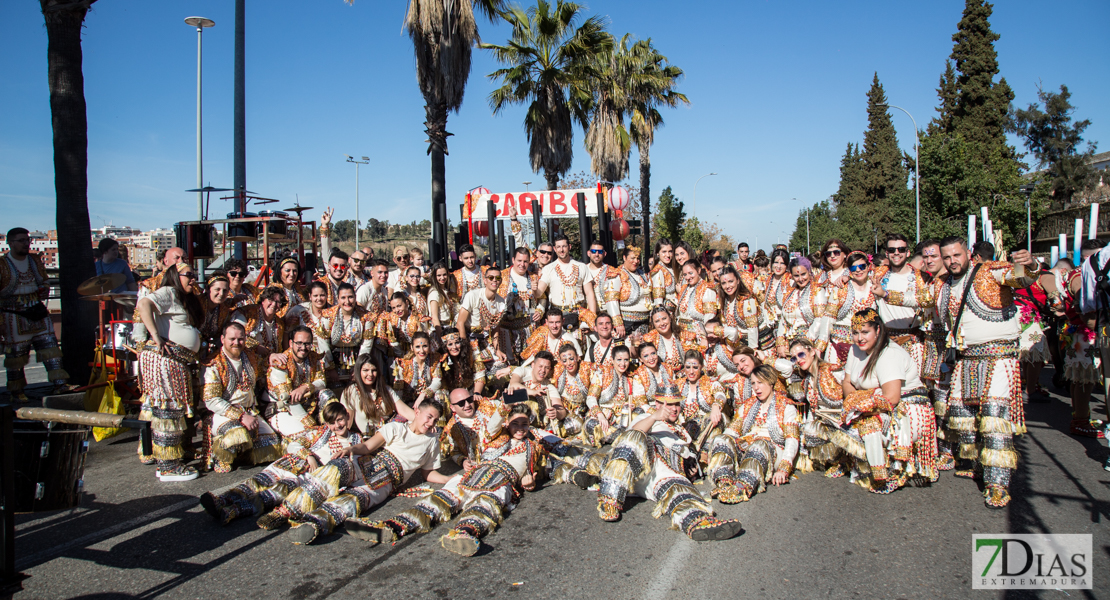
(553, 204)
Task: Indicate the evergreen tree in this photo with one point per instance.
(1054, 139)
(947, 91)
(965, 160)
(883, 173)
(823, 225)
(692, 234)
(670, 215)
(850, 190)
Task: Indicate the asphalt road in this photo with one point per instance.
(134, 537)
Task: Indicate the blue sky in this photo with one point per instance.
(777, 90)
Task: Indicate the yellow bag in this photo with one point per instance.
(103, 399)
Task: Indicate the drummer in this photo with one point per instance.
(110, 262)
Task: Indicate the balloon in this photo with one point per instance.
(618, 198)
(481, 228)
(480, 191)
(619, 229)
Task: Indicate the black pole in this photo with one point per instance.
(551, 231)
(240, 154)
(536, 227)
(583, 225)
(7, 487)
(491, 215)
(510, 247)
(603, 233)
(502, 251)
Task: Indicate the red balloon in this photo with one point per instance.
(619, 229)
(481, 228)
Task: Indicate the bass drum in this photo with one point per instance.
(49, 464)
(242, 232)
(199, 237)
(276, 222)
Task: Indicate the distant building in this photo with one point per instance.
(45, 244)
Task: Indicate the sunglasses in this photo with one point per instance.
(357, 261)
(189, 275)
(467, 400)
(834, 252)
(301, 343)
(897, 249)
(234, 273)
(339, 267)
(404, 258)
(798, 357)
(854, 268)
(596, 251)
(545, 252)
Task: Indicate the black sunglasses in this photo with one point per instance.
(897, 249)
(467, 400)
(234, 273)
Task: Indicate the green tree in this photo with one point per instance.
(670, 214)
(823, 226)
(343, 230)
(1054, 138)
(692, 234)
(882, 175)
(965, 160)
(548, 60)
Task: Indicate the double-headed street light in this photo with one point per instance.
(365, 161)
(200, 23)
(694, 207)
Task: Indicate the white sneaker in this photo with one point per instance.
(178, 473)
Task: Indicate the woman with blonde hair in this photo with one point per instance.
(759, 446)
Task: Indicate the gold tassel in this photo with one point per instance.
(805, 464)
(995, 425)
(560, 473)
(266, 454)
(236, 438)
(999, 458)
(167, 425)
(961, 423)
(940, 408)
(48, 353)
(619, 470)
(14, 361)
(168, 452)
(848, 443)
(595, 464)
(299, 502)
(969, 451)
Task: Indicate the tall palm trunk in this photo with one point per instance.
(71, 146)
(645, 198)
(436, 128)
(552, 180)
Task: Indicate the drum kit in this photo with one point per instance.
(99, 289)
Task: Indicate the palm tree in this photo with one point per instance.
(64, 20)
(549, 64)
(657, 89)
(443, 34)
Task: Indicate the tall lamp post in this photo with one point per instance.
(200, 23)
(365, 161)
(1027, 190)
(916, 171)
(694, 208)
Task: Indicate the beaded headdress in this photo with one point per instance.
(668, 395)
(867, 316)
(217, 278)
(451, 335)
(290, 259)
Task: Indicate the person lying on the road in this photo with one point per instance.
(484, 493)
(649, 460)
(361, 477)
(305, 451)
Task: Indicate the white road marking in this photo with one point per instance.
(103, 534)
(660, 586)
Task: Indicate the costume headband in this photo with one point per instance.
(867, 316)
(217, 278)
(289, 260)
(451, 335)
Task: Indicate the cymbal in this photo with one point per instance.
(101, 284)
(264, 201)
(209, 188)
(298, 209)
(124, 298)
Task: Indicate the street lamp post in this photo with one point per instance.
(807, 227)
(694, 208)
(200, 23)
(1027, 190)
(916, 171)
(365, 161)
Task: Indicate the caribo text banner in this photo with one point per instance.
(557, 204)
